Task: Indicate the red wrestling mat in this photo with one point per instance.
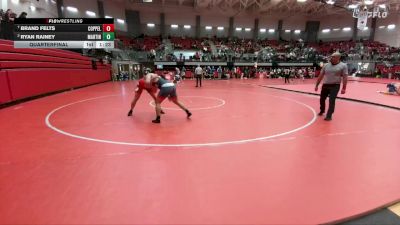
(260, 158)
(364, 91)
(373, 80)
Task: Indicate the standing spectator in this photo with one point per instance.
(209, 74)
(219, 71)
(300, 74)
(7, 25)
(1, 23)
(183, 73)
(287, 75)
(246, 72)
(235, 71)
(177, 71)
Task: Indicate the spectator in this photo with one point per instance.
(183, 72)
(23, 15)
(1, 23)
(219, 71)
(7, 25)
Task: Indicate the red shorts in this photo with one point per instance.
(141, 84)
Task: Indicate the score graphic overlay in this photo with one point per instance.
(64, 33)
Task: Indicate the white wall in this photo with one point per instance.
(183, 15)
(215, 20)
(180, 31)
(267, 34)
(4, 4)
(116, 11)
(82, 6)
(338, 22)
(243, 21)
(214, 32)
(363, 34)
(44, 9)
(150, 17)
(181, 19)
(390, 37)
(294, 23)
(48, 9)
(151, 31)
(333, 35)
(110, 9)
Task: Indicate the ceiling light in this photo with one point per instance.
(33, 8)
(297, 31)
(369, 2)
(326, 30)
(150, 24)
(263, 30)
(365, 28)
(391, 26)
(336, 29)
(238, 29)
(353, 6)
(208, 27)
(347, 29)
(330, 2)
(72, 9)
(90, 13)
(382, 6)
(301, 0)
(247, 29)
(271, 30)
(220, 28)
(381, 27)
(187, 26)
(108, 17)
(287, 31)
(120, 21)
(174, 26)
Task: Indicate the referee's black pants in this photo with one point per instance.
(198, 80)
(332, 91)
(287, 79)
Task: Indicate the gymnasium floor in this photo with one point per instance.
(250, 154)
(359, 89)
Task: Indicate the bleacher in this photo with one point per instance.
(30, 72)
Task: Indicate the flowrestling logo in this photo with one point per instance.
(376, 12)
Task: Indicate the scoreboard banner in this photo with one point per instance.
(64, 33)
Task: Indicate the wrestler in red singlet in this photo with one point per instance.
(138, 92)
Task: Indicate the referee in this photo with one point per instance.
(198, 73)
(332, 74)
